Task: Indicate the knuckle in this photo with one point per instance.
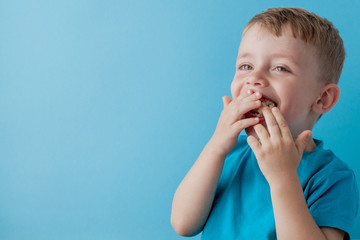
(282, 124)
(237, 126)
(276, 141)
(261, 154)
(289, 142)
(272, 122)
(268, 148)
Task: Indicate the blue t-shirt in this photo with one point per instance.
(242, 207)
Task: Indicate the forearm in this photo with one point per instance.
(292, 216)
(194, 197)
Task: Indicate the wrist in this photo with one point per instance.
(284, 182)
(215, 150)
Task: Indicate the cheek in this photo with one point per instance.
(289, 106)
(295, 109)
(236, 86)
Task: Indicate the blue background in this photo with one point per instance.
(105, 105)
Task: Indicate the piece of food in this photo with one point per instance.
(259, 111)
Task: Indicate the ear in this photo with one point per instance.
(327, 99)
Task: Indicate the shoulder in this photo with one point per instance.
(329, 185)
(323, 162)
(322, 168)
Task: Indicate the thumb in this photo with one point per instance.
(302, 140)
(226, 100)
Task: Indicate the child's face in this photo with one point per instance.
(284, 69)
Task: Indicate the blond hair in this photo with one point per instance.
(311, 28)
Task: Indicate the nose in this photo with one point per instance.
(258, 79)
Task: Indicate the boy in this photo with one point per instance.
(278, 183)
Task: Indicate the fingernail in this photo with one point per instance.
(274, 109)
(249, 91)
(257, 94)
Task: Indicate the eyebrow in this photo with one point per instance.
(289, 57)
(245, 55)
(275, 55)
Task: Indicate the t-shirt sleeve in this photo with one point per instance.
(333, 200)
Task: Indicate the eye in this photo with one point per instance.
(245, 67)
(281, 69)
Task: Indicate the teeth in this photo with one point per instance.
(264, 103)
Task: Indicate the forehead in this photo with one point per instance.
(258, 40)
(260, 46)
(256, 34)
(276, 31)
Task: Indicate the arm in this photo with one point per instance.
(278, 158)
(292, 216)
(194, 197)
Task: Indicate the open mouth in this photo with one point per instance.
(265, 102)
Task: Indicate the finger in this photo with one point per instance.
(253, 143)
(245, 107)
(302, 140)
(283, 126)
(261, 132)
(226, 100)
(238, 110)
(244, 123)
(271, 123)
(252, 96)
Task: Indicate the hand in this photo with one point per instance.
(277, 154)
(232, 121)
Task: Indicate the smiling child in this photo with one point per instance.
(278, 182)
